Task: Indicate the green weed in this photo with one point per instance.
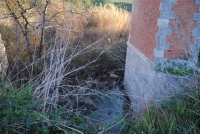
(19, 112)
(176, 115)
(179, 72)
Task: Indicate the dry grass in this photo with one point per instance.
(73, 26)
(108, 18)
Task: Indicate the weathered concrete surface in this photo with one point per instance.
(3, 60)
(139, 78)
(144, 84)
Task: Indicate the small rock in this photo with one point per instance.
(109, 40)
(113, 75)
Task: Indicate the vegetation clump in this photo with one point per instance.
(176, 115)
(177, 67)
(19, 111)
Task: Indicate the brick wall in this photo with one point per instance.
(144, 26)
(182, 26)
(164, 29)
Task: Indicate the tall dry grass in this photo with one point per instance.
(108, 18)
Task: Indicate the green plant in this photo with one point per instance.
(19, 112)
(178, 68)
(18, 109)
(179, 71)
(176, 115)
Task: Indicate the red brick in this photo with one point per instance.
(144, 26)
(182, 26)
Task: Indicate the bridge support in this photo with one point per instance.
(164, 36)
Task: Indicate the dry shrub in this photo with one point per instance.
(64, 18)
(108, 18)
(63, 26)
(60, 19)
(70, 23)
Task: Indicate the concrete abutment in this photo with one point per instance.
(163, 36)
